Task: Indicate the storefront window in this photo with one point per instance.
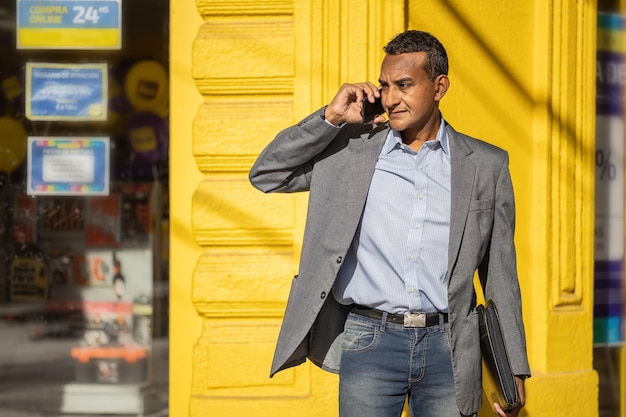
(609, 289)
(84, 207)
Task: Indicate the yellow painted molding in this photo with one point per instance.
(570, 152)
(571, 106)
(220, 144)
(246, 47)
(226, 213)
(231, 361)
(560, 394)
(243, 282)
(244, 86)
(248, 7)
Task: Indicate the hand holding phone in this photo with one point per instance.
(348, 105)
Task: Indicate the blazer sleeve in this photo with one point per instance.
(498, 272)
(286, 164)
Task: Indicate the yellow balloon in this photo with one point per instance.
(147, 87)
(12, 144)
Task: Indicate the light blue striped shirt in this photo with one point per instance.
(398, 259)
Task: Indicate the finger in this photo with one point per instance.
(356, 94)
(371, 91)
(379, 119)
(499, 410)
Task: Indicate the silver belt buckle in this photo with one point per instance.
(412, 319)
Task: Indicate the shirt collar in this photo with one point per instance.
(394, 138)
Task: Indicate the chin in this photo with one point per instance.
(395, 125)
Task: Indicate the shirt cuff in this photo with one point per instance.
(329, 123)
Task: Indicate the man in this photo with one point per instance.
(401, 215)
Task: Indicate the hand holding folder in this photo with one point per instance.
(498, 378)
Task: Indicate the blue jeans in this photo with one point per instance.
(382, 363)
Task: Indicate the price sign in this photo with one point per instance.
(69, 24)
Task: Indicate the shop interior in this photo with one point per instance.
(84, 214)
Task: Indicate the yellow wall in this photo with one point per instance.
(522, 77)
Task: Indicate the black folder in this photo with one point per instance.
(498, 378)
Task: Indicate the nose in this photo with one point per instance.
(390, 97)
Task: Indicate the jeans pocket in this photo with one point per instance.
(359, 336)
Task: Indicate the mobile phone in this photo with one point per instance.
(370, 110)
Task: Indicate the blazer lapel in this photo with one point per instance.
(362, 165)
(462, 182)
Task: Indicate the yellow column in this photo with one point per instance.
(185, 324)
(564, 130)
(523, 77)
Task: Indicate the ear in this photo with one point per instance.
(442, 83)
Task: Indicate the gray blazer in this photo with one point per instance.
(336, 166)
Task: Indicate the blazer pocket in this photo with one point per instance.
(477, 205)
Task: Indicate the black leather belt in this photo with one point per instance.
(412, 319)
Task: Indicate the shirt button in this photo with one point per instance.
(417, 226)
(323, 295)
(420, 196)
(412, 257)
(339, 259)
(419, 167)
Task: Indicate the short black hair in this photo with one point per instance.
(418, 41)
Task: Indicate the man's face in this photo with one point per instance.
(410, 97)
